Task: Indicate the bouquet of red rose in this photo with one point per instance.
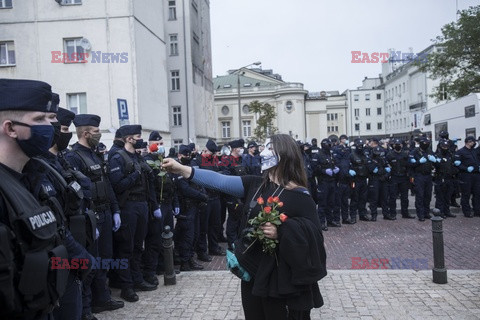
(268, 213)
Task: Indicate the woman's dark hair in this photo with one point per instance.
(290, 166)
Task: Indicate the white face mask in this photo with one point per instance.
(269, 159)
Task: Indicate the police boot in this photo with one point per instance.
(89, 316)
(129, 295)
(203, 256)
(194, 265)
(334, 224)
(365, 218)
(145, 286)
(151, 279)
(324, 227)
(408, 216)
(450, 215)
(108, 306)
(374, 217)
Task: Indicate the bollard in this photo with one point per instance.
(439, 270)
(169, 277)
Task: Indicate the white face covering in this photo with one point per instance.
(269, 159)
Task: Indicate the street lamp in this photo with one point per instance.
(239, 97)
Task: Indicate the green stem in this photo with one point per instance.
(251, 244)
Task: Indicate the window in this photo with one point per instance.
(5, 4)
(379, 126)
(357, 126)
(7, 53)
(177, 143)
(246, 109)
(289, 106)
(427, 119)
(225, 110)
(332, 116)
(174, 45)
(470, 111)
(439, 127)
(77, 102)
(357, 112)
(74, 50)
(355, 97)
(368, 126)
(403, 87)
(379, 96)
(332, 128)
(175, 80)
(247, 128)
(177, 115)
(172, 10)
(225, 129)
(367, 111)
(379, 111)
(470, 132)
(367, 97)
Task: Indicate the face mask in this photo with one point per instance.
(161, 150)
(359, 147)
(347, 142)
(138, 144)
(241, 151)
(56, 133)
(269, 159)
(398, 147)
(185, 160)
(41, 137)
(63, 140)
(94, 139)
(424, 146)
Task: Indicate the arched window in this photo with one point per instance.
(225, 110)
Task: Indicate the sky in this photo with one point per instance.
(311, 41)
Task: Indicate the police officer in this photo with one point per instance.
(131, 180)
(467, 160)
(84, 158)
(377, 185)
(341, 154)
(422, 160)
(307, 163)
(190, 197)
(118, 143)
(445, 172)
(397, 159)
(27, 292)
(326, 171)
(313, 150)
(252, 160)
(359, 163)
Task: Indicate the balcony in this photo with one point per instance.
(418, 105)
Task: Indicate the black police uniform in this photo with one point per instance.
(359, 163)
(445, 172)
(398, 161)
(377, 183)
(313, 185)
(341, 155)
(253, 163)
(469, 179)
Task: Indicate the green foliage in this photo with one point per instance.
(458, 65)
(265, 120)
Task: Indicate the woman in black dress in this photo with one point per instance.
(283, 285)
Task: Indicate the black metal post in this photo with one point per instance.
(439, 270)
(169, 277)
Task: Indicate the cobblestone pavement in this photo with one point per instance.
(348, 294)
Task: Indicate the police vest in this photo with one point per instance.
(81, 225)
(359, 164)
(140, 190)
(398, 162)
(96, 173)
(324, 162)
(28, 284)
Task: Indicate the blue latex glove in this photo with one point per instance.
(388, 169)
(97, 233)
(432, 158)
(176, 211)
(336, 170)
(375, 170)
(439, 160)
(157, 214)
(117, 222)
(457, 163)
(412, 160)
(470, 169)
(422, 160)
(352, 173)
(329, 172)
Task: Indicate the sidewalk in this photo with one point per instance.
(348, 294)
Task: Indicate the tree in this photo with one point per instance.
(458, 64)
(264, 126)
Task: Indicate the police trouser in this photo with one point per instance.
(153, 245)
(71, 301)
(341, 199)
(377, 191)
(423, 194)
(128, 241)
(184, 233)
(94, 290)
(398, 185)
(214, 223)
(470, 187)
(326, 201)
(312, 187)
(201, 229)
(444, 189)
(358, 199)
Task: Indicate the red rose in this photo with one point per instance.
(270, 200)
(267, 210)
(276, 199)
(283, 217)
(260, 200)
(280, 204)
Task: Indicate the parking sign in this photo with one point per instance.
(122, 112)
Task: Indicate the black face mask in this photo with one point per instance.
(56, 133)
(138, 144)
(424, 146)
(63, 140)
(185, 161)
(398, 147)
(444, 151)
(359, 148)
